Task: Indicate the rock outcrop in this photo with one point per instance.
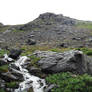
(73, 61)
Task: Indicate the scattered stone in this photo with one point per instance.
(7, 31)
(64, 45)
(74, 38)
(31, 42)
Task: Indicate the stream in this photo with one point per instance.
(30, 81)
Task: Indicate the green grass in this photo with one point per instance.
(30, 49)
(67, 82)
(2, 52)
(4, 28)
(34, 60)
(86, 25)
(17, 30)
(87, 51)
(4, 68)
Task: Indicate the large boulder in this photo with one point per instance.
(74, 61)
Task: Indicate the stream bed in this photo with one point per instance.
(30, 81)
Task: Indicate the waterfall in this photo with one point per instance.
(29, 80)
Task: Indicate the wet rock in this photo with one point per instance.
(8, 77)
(15, 53)
(73, 61)
(34, 71)
(49, 88)
(2, 62)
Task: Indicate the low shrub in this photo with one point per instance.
(84, 25)
(34, 60)
(2, 90)
(67, 82)
(12, 85)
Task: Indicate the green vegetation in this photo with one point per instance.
(2, 90)
(67, 82)
(61, 49)
(12, 84)
(87, 25)
(30, 49)
(87, 51)
(2, 52)
(34, 60)
(4, 68)
(4, 28)
(17, 30)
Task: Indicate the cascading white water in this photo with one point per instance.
(29, 80)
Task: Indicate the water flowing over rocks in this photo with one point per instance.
(18, 72)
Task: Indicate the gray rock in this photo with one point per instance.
(7, 31)
(8, 77)
(31, 42)
(15, 53)
(73, 61)
(34, 71)
(40, 54)
(64, 45)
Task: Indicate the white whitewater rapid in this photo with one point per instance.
(29, 80)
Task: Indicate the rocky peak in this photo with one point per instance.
(47, 15)
(57, 18)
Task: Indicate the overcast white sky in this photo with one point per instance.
(23, 11)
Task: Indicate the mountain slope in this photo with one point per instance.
(49, 29)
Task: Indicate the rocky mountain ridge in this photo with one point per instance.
(50, 29)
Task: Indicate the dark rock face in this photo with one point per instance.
(57, 18)
(8, 77)
(73, 61)
(15, 53)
